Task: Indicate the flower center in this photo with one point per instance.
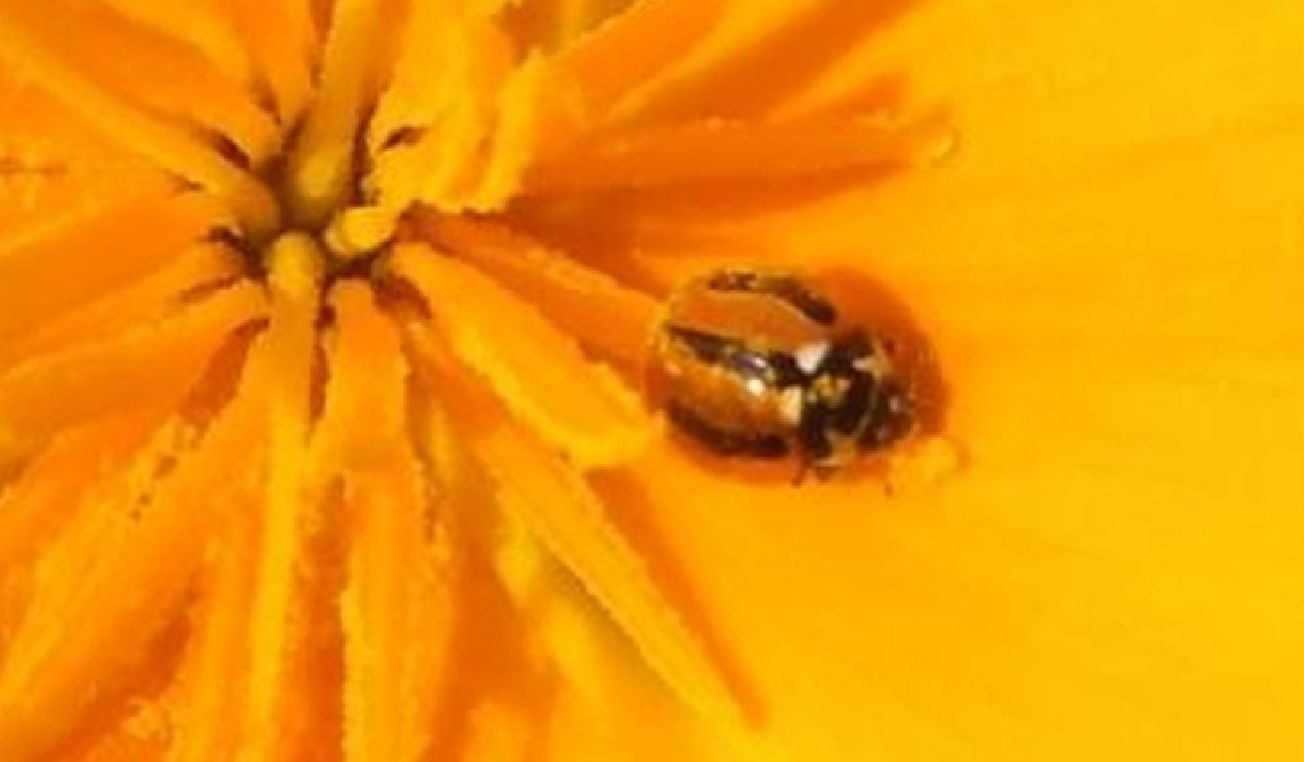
(317, 191)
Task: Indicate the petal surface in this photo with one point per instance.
(1108, 273)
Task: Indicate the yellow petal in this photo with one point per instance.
(51, 163)
(714, 150)
(74, 469)
(198, 23)
(540, 374)
(172, 147)
(1107, 274)
(150, 367)
(153, 296)
(554, 502)
(277, 613)
(431, 125)
(632, 46)
(590, 305)
(279, 36)
(148, 69)
(38, 277)
(212, 681)
(321, 165)
(396, 605)
(54, 674)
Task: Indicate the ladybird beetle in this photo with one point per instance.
(758, 364)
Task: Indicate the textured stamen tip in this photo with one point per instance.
(316, 185)
(360, 230)
(295, 263)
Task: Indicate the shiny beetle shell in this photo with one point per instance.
(758, 364)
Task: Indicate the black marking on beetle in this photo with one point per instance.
(707, 347)
(892, 417)
(847, 411)
(783, 287)
(724, 441)
(776, 369)
(812, 432)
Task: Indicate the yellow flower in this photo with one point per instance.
(320, 325)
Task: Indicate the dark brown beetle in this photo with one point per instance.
(756, 363)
